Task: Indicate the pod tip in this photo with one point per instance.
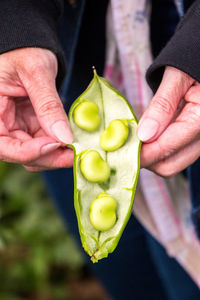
(94, 70)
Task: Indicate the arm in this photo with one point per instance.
(182, 51)
(31, 23)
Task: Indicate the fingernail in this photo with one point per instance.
(62, 132)
(147, 129)
(49, 148)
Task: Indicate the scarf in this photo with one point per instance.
(161, 205)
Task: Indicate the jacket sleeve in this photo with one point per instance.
(31, 23)
(182, 51)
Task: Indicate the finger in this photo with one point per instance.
(164, 104)
(17, 151)
(3, 129)
(60, 158)
(11, 89)
(39, 133)
(20, 135)
(177, 135)
(178, 162)
(47, 104)
(193, 94)
(7, 111)
(10, 84)
(25, 116)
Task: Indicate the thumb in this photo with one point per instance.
(48, 107)
(164, 104)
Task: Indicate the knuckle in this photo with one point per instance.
(163, 104)
(37, 69)
(38, 64)
(167, 154)
(49, 107)
(164, 151)
(22, 156)
(33, 66)
(25, 158)
(16, 155)
(195, 114)
(162, 165)
(164, 169)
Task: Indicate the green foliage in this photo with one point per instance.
(37, 256)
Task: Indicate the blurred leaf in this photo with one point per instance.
(37, 255)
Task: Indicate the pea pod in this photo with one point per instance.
(103, 206)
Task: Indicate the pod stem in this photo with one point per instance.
(94, 70)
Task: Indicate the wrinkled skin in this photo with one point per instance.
(29, 109)
(172, 140)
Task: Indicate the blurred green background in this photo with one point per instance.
(38, 257)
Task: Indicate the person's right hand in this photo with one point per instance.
(33, 124)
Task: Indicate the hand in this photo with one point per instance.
(33, 123)
(170, 127)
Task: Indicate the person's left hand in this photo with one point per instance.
(170, 127)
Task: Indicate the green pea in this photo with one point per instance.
(101, 176)
(102, 212)
(93, 167)
(115, 135)
(86, 115)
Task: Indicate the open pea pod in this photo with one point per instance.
(106, 165)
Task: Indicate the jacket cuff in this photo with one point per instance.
(31, 23)
(182, 51)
